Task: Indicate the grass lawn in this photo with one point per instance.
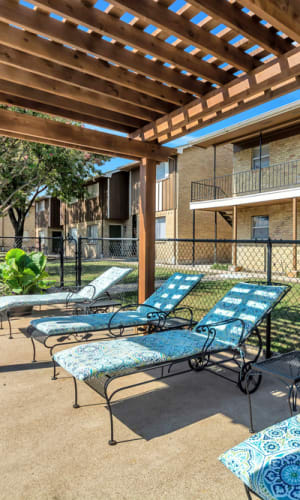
(285, 318)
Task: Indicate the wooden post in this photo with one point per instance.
(234, 236)
(147, 228)
(295, 235)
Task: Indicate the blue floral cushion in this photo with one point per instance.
(171, 295)
(247, 301)
(269, 461)
(96, 359)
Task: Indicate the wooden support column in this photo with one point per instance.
(147, 228)
(234, 236)
(295, 235)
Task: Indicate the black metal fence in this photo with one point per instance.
(223, 263)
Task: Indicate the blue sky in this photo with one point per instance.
(258, 110)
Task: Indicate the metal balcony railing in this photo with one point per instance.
(274, 177)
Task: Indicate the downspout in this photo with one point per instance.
(215, 196)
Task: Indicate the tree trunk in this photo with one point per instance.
(17, 219)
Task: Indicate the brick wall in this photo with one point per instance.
(282, 150)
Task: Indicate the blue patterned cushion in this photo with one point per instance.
(249, 302)
(172, 292)
(93, 322)
(101, 284)
(93, 360)
(269, 461)
(87, 323)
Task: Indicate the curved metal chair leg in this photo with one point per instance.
(112, 441)
(247, 492)
(34, 351)
(75, 405)
(54, 377)
(251, 429)
(9, 326)
(292, 398)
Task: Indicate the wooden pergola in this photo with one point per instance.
(148, 69)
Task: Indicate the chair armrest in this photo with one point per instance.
(210, 330)
(160, 315)
(187, 309)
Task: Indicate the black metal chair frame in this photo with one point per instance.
(249, 492)
(210, 331)
(195, 362)
(156, 322)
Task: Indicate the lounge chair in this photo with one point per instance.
(268, 462)
(86, 295)
(224, 329)
(151, 314)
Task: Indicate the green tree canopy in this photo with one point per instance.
(28, 169)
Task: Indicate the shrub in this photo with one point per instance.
(24, 273)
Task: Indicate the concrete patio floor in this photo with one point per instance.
(170, 433)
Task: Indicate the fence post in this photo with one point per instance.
(40, 244)
(269, 282)
(61, 257)
(194, 233)
(79, 256)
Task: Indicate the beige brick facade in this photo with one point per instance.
(196, 164)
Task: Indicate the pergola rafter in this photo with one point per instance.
(147, 69)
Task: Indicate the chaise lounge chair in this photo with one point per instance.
(268, 462)
(224, 329)
(86, 295)
(152, 314)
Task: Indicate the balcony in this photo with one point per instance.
(273, 178)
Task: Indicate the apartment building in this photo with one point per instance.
(48, 223)
(261, 193)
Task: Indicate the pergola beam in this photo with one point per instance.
(243, 89)
(65, 33)
(185, 30)
(105, 24)
(73, 135)
(68, 104)
(247, 25)
(81, 95)
(13, 100)
(282, 14)
(61, 144)
(31, 44)
(112, 93)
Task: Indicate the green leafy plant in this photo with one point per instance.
(24, 273)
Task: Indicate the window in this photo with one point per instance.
(160, 228)
(162, 171)
(40, 206)
(265, 157)
(42, 236)
(92, 232)
(93, 190)
(260, 227)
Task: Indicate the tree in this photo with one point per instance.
(27, 169)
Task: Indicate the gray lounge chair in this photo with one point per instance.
(86, 295)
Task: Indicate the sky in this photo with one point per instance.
(115, 163)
